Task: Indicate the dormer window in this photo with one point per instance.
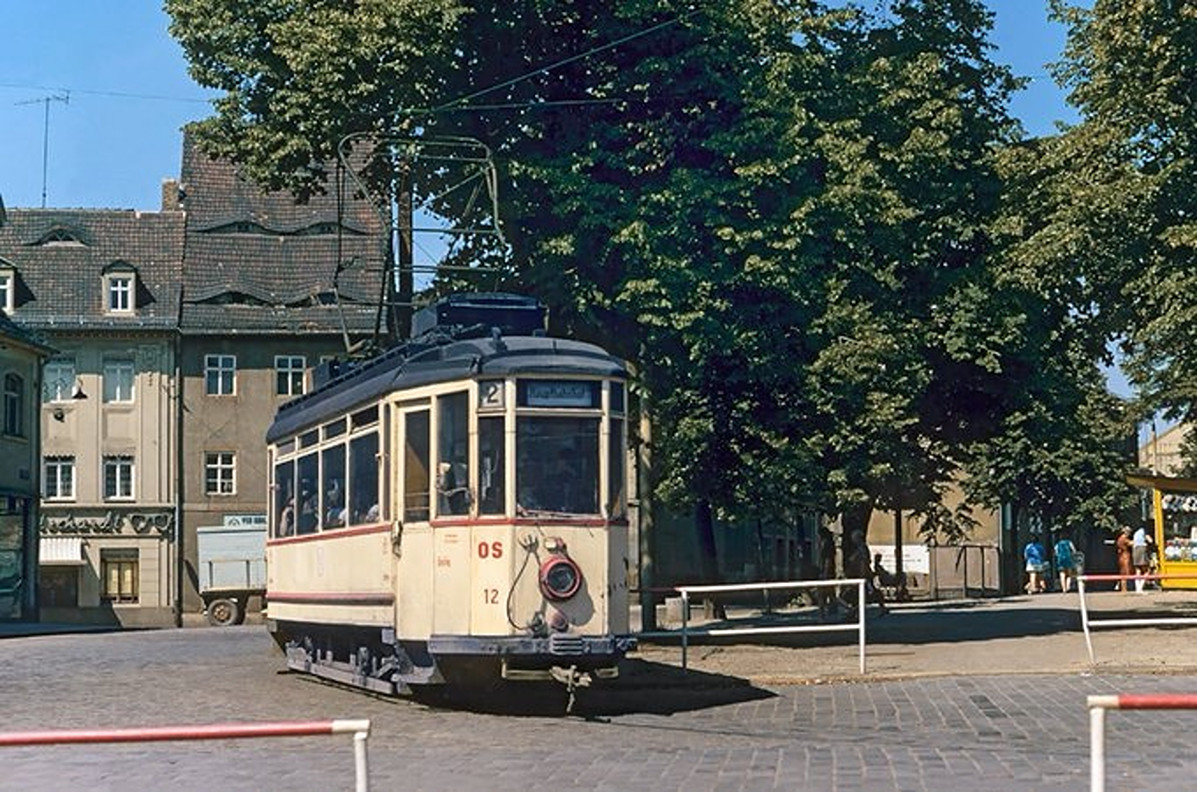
(60, 237)
(120, 293)
(8, 289)
(120, 289)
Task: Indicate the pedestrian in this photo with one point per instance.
(1066, 562)
(1139, 557)
(1034, 555)
(1122, 547)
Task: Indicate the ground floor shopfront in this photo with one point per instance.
(17, 559)
(113, 567)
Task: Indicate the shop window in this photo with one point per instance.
(119, 572)
(58, 586)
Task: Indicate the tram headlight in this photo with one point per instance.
(560, 578)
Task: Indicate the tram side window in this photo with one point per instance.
(557, 468)
(332, 487)
(492, 476)
(453, 474)
(416, 481)
(284, 499)
(363, 482)
(617, 506)
(307, 515)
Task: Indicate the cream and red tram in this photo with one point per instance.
(454, 509)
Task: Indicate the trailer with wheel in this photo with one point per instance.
(232, 570)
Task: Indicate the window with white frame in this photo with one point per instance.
(220, 375)
(119, 289)
(8, 287)
(118, 478)
(288, 374)
(118, 380)
(58, 380)
(60, 478)
(14, 405)
(220, 473)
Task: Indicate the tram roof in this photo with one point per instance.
(417, 364)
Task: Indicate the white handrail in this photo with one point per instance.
(360, 729)
(859, 626)
(1087, 623)
(1134, 701)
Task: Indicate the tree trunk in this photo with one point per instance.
(704, 526)
(855, 522)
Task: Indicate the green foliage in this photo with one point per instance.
(796, 219)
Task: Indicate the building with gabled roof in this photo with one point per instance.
(271, 289)
(21, 357)
(102, 287)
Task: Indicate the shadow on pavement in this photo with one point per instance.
(643, 687)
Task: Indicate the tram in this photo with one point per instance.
(454, 511)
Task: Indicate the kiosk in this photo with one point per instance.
(1174, 513)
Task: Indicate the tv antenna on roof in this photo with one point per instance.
(65, 98)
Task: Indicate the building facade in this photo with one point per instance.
(21, 358)
(271, 288)
(102, 287)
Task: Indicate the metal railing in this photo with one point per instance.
(686, 632)
(360, 729)
(1126, 701)
(1087, 623)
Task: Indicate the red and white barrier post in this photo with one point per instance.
(360, 729)
(1125, 701)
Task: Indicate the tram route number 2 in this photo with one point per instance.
(490, 550)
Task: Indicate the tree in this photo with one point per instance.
(908, 361)
(1121, 211)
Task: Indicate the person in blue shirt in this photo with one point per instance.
(1066, 554)
(1035, 556)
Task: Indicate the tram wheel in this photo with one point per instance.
(224, 612)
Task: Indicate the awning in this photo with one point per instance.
(61, 551)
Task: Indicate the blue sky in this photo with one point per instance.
(118, 137)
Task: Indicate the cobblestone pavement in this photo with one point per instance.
(715, 732)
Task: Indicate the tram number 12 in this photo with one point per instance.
(490, 549)
(490, 596)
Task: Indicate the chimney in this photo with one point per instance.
(171, 198)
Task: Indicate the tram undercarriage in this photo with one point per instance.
(372, 659)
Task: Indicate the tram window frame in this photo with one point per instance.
(617, 474)
(309, 439)
(286, 447)
(334, 510)
(492, 464)
(363, 497)
(307, 505)
(418, 487)
(284, 498)
(363, 418)
(335, 428)
(453, 454)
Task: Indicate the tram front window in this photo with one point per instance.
(557, 469)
